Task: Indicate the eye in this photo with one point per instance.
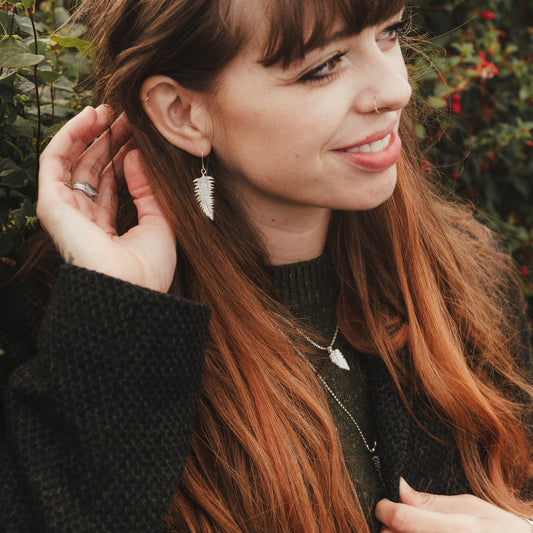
(393, 32)
(325, 70)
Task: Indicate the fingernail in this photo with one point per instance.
(404, 486)
(109, 114)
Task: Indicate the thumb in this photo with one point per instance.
(462, 504)
(148, 209)
(412, 497)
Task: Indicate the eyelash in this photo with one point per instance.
(398, 29)
(313, 75)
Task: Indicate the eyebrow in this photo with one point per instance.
(341, 34)
(337, 36)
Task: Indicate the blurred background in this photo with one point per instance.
(474, 79)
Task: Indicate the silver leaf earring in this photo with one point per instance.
(203, 190)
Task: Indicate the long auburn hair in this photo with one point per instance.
(417, 272)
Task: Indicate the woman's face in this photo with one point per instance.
(309, 136)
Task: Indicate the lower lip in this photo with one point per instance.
(375, 161)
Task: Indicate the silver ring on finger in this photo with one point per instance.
(86, 188)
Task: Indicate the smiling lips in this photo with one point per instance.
(376, 155)
(376, 146)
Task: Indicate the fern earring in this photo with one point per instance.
(203, 190)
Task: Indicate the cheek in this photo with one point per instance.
(283, 129)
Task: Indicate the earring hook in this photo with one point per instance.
(204, 169)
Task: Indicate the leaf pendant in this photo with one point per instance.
(203, 189)
(338, 359)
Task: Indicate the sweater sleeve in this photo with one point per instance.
(96, 423)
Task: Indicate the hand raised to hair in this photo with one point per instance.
(83, 228)
(429, 513)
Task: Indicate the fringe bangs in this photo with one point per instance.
(298, 26)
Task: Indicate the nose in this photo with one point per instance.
(383, 84)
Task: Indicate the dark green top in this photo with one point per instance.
(310, 290)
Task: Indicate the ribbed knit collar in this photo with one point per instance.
(306, 284)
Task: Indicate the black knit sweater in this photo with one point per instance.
(99, 402)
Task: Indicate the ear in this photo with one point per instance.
(179, 114)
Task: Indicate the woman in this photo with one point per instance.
(325, 334)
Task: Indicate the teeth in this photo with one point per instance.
(376, 146)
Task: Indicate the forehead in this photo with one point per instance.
(285, 30)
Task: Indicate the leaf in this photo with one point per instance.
(13, 54)
(13, 178)
(48, 76)
(437, 102)
(28, 4)
(7, 73)
(420, 131)
(85, 47)
(22, 128)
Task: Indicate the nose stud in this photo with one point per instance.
(376, 108)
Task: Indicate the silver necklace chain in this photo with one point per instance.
(371, 449)
(323, 348)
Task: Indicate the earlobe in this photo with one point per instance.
(179, 114)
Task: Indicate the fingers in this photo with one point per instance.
(110, 182)
(464, 503)
(420, 512)
(92, 162)
(401, 518)
(149, 213)
(70, 142)
(140, 188)
(67, 159)
(60, 155)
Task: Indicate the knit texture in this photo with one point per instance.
(99, 401)
(98, 418)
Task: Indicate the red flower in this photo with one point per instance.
(456, 103)
(529, 143)
(524, 271)
(485, 15)
(486, 69)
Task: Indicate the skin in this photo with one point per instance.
(280, 136)
(83, 229)
(421, 512)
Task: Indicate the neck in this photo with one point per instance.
(293, 235)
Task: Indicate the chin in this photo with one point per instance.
(376, 195)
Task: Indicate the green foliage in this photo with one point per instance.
(42, 65)
(478, 74)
